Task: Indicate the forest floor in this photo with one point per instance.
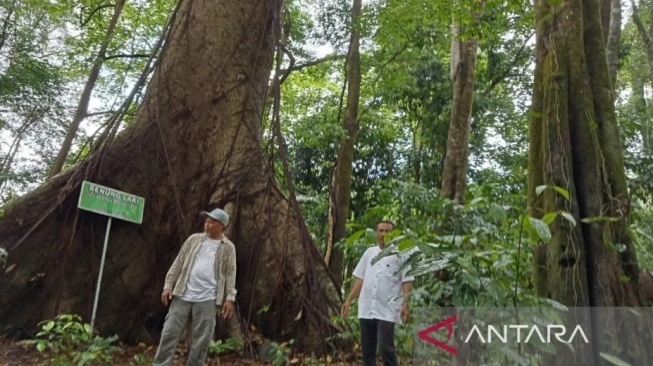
(12, 353)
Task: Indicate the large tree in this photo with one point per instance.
(464, 48)
(575, 144)
(340, 192)
(194, 144)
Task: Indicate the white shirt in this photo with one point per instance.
(202, 284)
(381, 296)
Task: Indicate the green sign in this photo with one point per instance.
(111, 202)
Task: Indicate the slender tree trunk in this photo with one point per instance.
(647, 39)
(82, 107)
(645, 35)
(643, 110)
(7, 163)
(456, 164)
(344, 165)
(195, 144)
(613, 41)
(7, 23)
(574, 144)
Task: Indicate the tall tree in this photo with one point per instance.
(575, 144)
(85, 98)
(612, 32)
(464, 48)
(341, 181)
(195, 143)
(647, 40)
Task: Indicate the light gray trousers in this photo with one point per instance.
(203, 318)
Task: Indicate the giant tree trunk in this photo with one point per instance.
(341, 187)
(195, 144)
(574, 144)
(456, 163)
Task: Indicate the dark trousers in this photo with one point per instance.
(378, 333)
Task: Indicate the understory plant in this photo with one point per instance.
(71, 342)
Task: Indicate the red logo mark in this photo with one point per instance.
(447, 323)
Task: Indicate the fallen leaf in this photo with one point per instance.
(10, 268)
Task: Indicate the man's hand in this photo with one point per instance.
(166, 296)
(405, 313)
(227, 309)
(344, 311)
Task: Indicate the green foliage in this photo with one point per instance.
(264, 309)
(277, 353)
(140, 359)
(229, 345)
(71, 341)
(614, 359)
(481, 248)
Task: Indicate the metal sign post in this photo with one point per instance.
(113, 203)
(99, 277)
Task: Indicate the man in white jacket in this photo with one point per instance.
(201, 279)
(384, 292)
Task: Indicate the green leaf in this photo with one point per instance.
(48, 327)
(407, 244)
(264, 309)
(591, 220)
(497, 213)
(624, 278)
(549, 217)
(541, 228)
(557, 305)
(562, 191)
(476, 200)
(569, 217)
(2, 214)
(614, 360)
(542, 188)
(40, 346)
(355, 236)
(87, 328)
(370, 236)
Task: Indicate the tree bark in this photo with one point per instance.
(195, 144)
(456, 163)
(341, 188)
(613, 42)
(82, 107)
(575, 145)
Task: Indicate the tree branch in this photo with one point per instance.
(99, 113)
(88, 19)
(315, 62)
(5, 26)
(124, 55)
(286, 73)
(506, 73)
(641, 29)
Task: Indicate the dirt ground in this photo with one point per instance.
(15, 354)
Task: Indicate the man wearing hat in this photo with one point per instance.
(201, 279)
